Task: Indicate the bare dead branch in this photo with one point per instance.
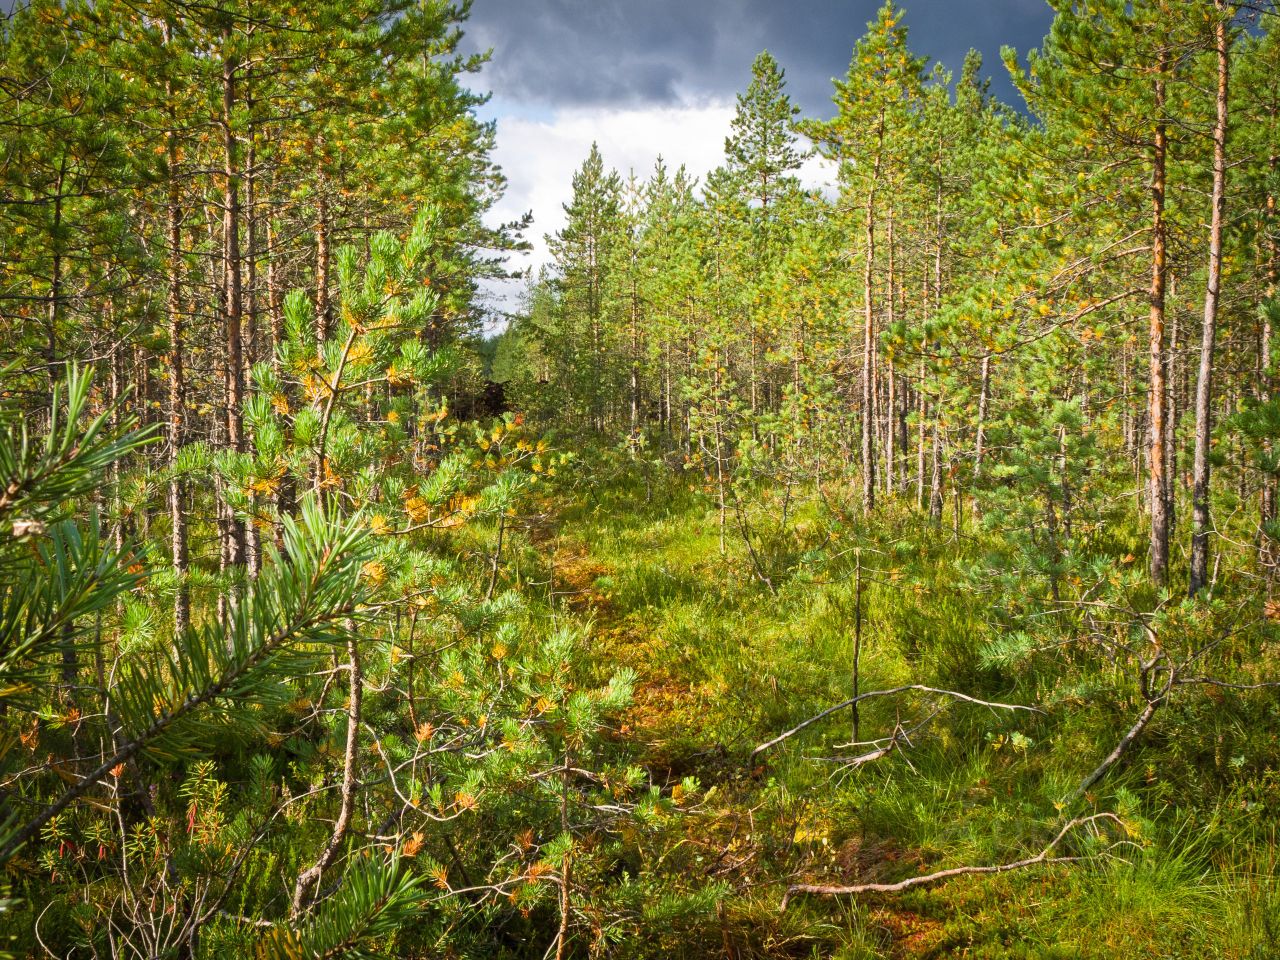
(310, 877)
(1043, 858)
(920, 688)
(1210, 681)
(1158, 665)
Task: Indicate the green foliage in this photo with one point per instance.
(800, 546)
(377, 899)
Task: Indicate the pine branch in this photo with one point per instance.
(325, 559)
(375, 900)
(37, 478)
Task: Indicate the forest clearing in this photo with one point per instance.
(864, 547)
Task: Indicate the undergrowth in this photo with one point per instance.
(726, 662)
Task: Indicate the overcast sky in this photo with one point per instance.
(650, 77)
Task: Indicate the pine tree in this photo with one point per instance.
(1105, 82)
(1222, 34)
(583, 253)
(762, 152)
(870, 139)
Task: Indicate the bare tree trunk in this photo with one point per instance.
(323, 308)
(935, 482)
(177, 382)
(900, 425)
(868, 339)
(891, 451)
(115, 391)
(54, 300)
(984, 397)
(1172, 412)
(857, 648)
(1155, 389)
(667, 420)
(1126, 421)
(891, 435)
(275, 292)
(250, 338)
(1213, 291)
(1267, 379)
(721, 479)
(253, 544)
(921, 409)
(635, 356)
(234, 305)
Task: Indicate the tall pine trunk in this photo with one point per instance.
(868, 339)
(1266, 379)
(891, 451)
(921, 410)
(635, 355)
(980, 434)
(1213, 292)
(1155, 389)
(177, 381)
(323, 307)
(234, 304)
(1172, 409)
(253, 541)
(54, 300)
(275, 288)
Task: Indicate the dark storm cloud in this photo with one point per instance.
(660, 52)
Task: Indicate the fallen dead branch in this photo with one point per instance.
(885, 745)
(916, 687)
(1150, 670)
(1043, 858)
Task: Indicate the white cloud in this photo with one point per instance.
(540, 155)
(539, 151)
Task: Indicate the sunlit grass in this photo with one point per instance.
(725, 663)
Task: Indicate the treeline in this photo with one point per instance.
(170, 172)
(1066, 305)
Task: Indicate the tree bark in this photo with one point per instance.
(984, 397)
(323, 308)
(54, 300)
(275, 292)
(1266, 378)
(921, 409)
(868, 337)
(177, 381)
(1172, 410)
(1213, 291)
(635, 355)
(935, 481)
(891, 451)
(1159, 504)
(234, 305)
(253, 541)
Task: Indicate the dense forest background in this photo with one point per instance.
(881, 571)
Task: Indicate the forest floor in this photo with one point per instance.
(723, 664)
(682, 706)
